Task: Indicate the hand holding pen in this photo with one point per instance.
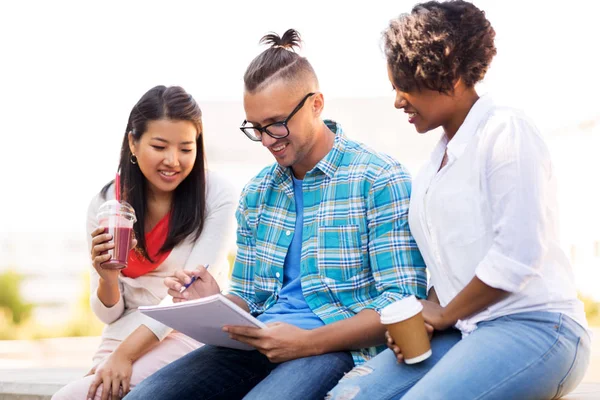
(190, 285)
(187, 285)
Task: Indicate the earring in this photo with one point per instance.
(133, 159)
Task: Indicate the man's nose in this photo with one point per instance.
(267, 140)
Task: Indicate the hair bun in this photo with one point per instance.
(289, 40)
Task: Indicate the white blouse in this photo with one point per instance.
(491, 212)
(216, 239)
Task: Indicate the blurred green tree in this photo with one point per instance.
(11, 300)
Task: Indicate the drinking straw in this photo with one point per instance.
(118, 186)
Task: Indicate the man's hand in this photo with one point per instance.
(279, 341)
(392, 345)
(433, 314)
(205, 285)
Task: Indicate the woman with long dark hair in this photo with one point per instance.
(185, 218)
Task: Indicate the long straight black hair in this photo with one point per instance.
(188, 206)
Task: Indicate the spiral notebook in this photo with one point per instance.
(204, 319)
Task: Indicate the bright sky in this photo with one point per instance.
(71, 70)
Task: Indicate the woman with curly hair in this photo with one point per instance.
(502, 307)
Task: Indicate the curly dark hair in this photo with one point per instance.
(437, 43)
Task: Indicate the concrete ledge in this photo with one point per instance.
(42, 383)
(35, 383)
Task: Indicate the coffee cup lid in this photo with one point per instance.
(400, 310)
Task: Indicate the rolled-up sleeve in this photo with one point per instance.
(518, 173)
(396, 263)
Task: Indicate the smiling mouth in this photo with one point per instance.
(168, 173)
(411, 117)
(279, 148)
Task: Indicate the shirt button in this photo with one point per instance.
(288, 233)
(277, 274)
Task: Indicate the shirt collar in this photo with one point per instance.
(328, 164)
(456, 146)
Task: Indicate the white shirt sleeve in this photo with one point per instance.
(517, 176)
(216, 239)
(106, 314)
(218, 232)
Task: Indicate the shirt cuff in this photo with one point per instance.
(501, 272)
(253, 308)
(385, 300)
(108, 315)
(160, 330)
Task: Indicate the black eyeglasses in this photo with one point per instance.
(277, 130)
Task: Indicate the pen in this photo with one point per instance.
(192, 281)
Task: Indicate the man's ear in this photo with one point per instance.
(318, 105)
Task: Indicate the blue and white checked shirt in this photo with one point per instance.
(357, 253)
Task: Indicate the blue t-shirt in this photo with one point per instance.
(291, 306)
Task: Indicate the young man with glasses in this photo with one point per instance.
(323, 245)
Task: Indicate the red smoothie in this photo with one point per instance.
(122, 240)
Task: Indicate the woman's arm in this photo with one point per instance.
(106, 299)
(138, 343)
(214, 242)
(432, 296)
(517, 176)
(115, 373)
(475, 297)
(218, 232)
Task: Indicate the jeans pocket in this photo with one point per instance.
(339, 252)
(578, 367)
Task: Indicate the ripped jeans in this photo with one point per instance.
(533, 355)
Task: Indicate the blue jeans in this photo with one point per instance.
(533, 355)
(220, 373)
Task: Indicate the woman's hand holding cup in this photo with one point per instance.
(394, 347)
(101, 243)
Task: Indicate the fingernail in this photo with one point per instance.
(225, 329)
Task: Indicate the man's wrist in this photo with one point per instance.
(312, 343)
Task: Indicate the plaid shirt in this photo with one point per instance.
(357, 249)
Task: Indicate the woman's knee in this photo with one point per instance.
(75, 390)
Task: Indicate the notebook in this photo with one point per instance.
(203, 319)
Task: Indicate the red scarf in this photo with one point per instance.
(137, 265)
